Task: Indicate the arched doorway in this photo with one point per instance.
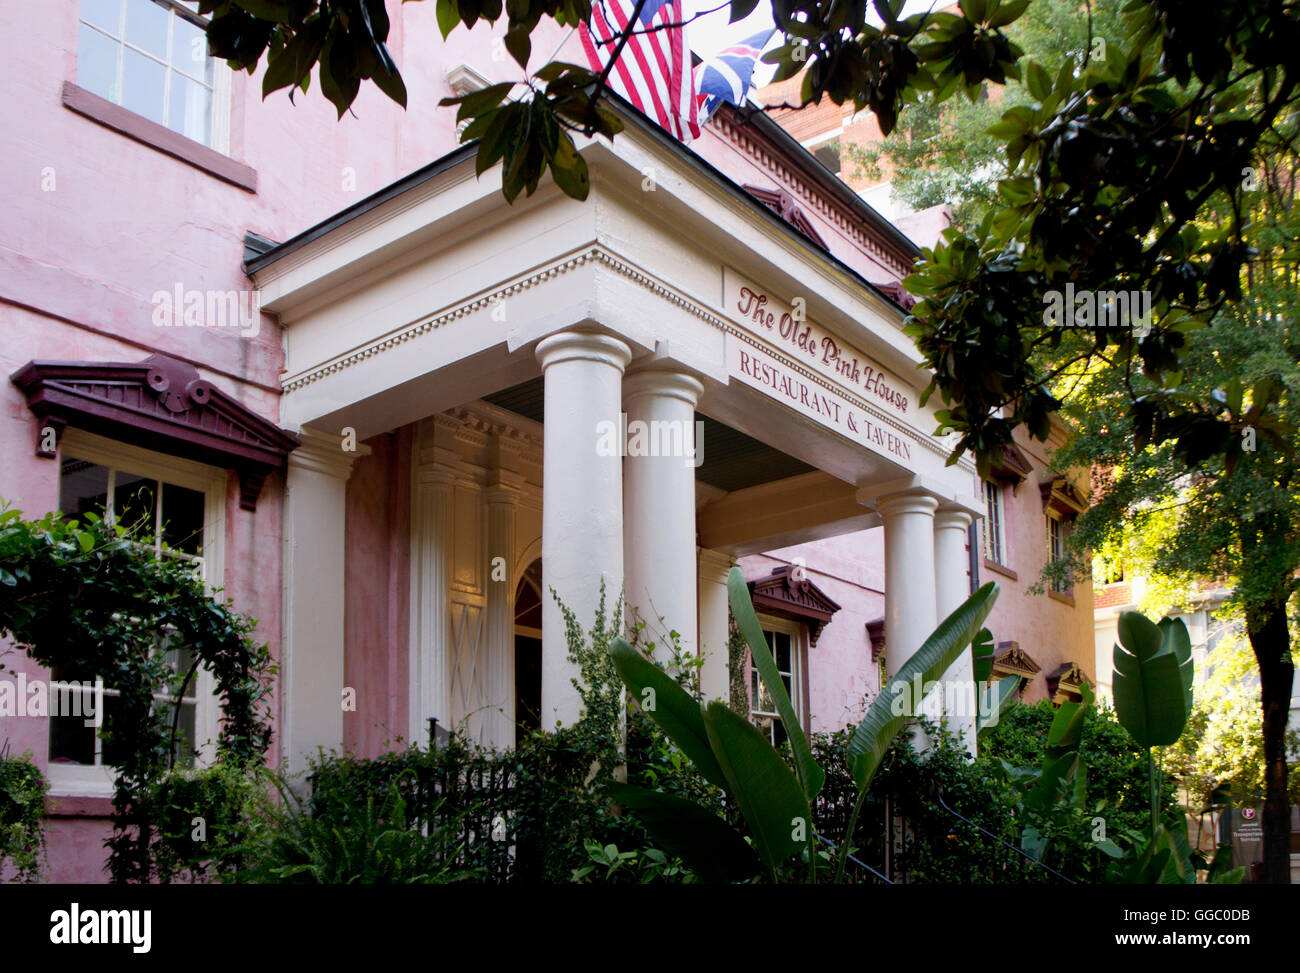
(528, 649)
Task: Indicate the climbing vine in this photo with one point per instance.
(93, 599)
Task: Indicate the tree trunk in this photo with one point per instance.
(1271, 642)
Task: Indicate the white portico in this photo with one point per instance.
(511, 338)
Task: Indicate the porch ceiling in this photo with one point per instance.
(731, 461)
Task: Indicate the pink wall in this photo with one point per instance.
(377, 618)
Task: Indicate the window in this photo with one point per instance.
(179, 504)
(994, 536)
(151, 57)
(786, 644)
(1057, 532)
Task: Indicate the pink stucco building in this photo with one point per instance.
(374, 402)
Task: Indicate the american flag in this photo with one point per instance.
(728, 74)
(654, 70)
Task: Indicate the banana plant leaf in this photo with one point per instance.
(770, 797)
(872, 737)
(1152, 682)
(982, 651)
(1004, 692)
(708, 845)
(670, 706)
(811, 775)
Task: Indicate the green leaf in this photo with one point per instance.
(709, 845)
(448, 16)
(982, 650)
(1040, 82)
(811, 775)
(1151, 692)
(293, 64)
(872, 737)
(740, 9)
(769, 795)
(670, 706)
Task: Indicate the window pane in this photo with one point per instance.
(184, 751)
(180, 659)
(182, 519)
(189, 110)
(97, 64)
(133, 501)
(190, 50)
(142, 86)
(781, 650)
(83, 487)
(103, 13)
(71, 741)
(146, 26)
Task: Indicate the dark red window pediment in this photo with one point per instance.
(161, 404)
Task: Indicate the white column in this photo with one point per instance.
(909, 574)
(659, 507)
(432, 523)
(582, 499)
(715, 675)
(909, 585)
(499, 651)
(315, 521)
(952, 587)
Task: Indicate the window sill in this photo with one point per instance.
(158, 137)
(1001, 569)
(78, 806)
(1065, 598)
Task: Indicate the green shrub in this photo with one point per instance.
(373, 843)
(203, 818)
(22, 816)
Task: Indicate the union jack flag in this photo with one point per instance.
(654, 70)
(728, 74)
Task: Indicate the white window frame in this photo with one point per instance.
(219, 115)
(1062, 529)
(799, 663)
(98, 781)
(995, 528)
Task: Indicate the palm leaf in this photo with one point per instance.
(872, 737)
(769, 795)
(811, 775)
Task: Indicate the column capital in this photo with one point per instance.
(323, 452)
(960, 505)
(662, 382)
(957, 518)
(503, 489)
(908, 502)
(584, 346)
(714, 565)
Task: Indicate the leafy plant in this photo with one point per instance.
(375, 844)
(1153, 686)
(774, 801)
(90, 596)
(22, 815)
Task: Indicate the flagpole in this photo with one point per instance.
(563, 40)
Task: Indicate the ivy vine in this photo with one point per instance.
(93, 599)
